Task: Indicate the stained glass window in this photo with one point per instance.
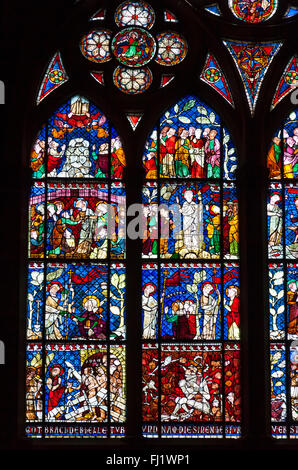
(282, 206)
(191, 287)
(76, 289)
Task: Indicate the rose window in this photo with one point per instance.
(134, 47)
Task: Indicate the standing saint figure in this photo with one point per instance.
(292, 302)
(212, 152)
(210, 307)
(197, 154)
(54, 311)
(275, 224)
(182, 148)
(274, 159)
(167, 151)
(233, 315)
(150, 306)
(192, 214)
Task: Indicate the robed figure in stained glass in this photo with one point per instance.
(150, 306)
(275, 225)
(292, 301)
(210, 307)
(192, 216)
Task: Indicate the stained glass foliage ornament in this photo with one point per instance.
(291, 11)
(214, 77)
(213, 9)
(133, 47)
(172, 48)
(278, 385)
(55, 76)
(135, 14)
(132, 81)
(95, 46)
(169, 17)
(288, 80)
(98, 76)
(79, 138)
(251, 11)
(35, 301)
(252, 61)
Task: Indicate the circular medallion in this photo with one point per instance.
(172, 48)
(132, 81)
(291, 77)
(135, 14)
(212, 75)
(95, 46)
(133, 47)
(252, 11)
(252, 60)
(56, 76)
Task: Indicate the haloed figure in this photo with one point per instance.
(91, 323)
(150, 305)
(192, 221)
(210, 307)
(233, 308)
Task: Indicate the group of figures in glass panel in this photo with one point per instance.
(282, 211)
(191, 221)
(253, 11)
(76, 383)
(83, 221)
(80, 142)
(192, 144)
(189, 297)
(76, 303)
(191, 383)
(282, 208)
